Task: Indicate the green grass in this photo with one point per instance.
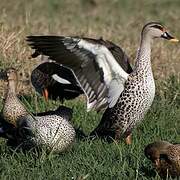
(117, 20)
(94, 159)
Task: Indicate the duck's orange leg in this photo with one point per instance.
(45, 94)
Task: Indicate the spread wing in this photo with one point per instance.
(95, 65)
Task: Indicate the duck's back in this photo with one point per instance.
(53, 131)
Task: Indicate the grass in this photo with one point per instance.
(95, 159)
(117, 20)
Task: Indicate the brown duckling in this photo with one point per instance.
(165, 158)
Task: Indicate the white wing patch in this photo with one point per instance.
(59, 79)
(116, 87)
(113, 75)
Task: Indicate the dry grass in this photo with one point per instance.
(117, 20)
(120, 21)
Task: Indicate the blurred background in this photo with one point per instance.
(120, 21)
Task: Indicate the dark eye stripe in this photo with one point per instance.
(158, 27)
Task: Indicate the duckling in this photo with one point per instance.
(51, 129)
(165, 158)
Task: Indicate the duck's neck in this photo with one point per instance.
(143, 59)
(12, 87)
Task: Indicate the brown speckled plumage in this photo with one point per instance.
(165, 158)
(13, 108)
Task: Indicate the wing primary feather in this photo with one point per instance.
(94, 64)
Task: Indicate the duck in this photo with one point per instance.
(55, 81)
(51, 129)
(165, 157)
(126, 96)
(12, 107)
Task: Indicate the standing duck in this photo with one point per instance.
(51, 129)
(165, 157)
(126, 95)
(55, 81)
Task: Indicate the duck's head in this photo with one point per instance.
(11, 74)
(157, 30)
(154, 151)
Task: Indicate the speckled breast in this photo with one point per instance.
(13, 109)
(135, 101)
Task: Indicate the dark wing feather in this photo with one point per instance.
(42, 78)
(83, 61)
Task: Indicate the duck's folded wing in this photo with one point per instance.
(96, 69)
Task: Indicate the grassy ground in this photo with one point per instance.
(95, 159)
(120, 21)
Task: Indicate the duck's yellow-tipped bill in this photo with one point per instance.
(169, 37)
(174, 40)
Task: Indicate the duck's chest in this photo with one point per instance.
(141, 88)
(13, 109)
(145, 87)
(137, 96)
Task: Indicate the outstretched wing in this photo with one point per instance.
(100, 75)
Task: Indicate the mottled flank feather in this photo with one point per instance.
(50, 129)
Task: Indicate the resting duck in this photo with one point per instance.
(51, 129)
(55, 81)
(106, 77)
(165, 157)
